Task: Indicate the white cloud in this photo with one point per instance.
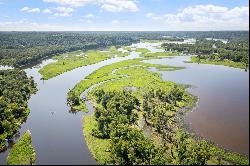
(63, 11)
(119, 5)
(24, 9)
(90, 15)
(108, 5)
(47, 11)
(114, 22)
(89, 21)
(24, 25)
(205, 17)
(149, 15)
(73, 3)
(30, 10)
(34, 10)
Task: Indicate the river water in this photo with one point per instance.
(56, 133)
(222, 114)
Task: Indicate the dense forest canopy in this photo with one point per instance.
(117, 115)
(15, 90)
(25, 48)
(236, 50)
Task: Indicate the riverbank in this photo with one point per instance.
(23, 152)
(16, 89)
(100, 148)
(228, 63)
(105, 73)
(69, 61)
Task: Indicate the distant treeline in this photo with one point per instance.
(229, 35)
(24, 48)
(20, 49)
(236, 50)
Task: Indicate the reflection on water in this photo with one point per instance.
(56, 133)
(57, 130)
(222, 114)
(150, 46)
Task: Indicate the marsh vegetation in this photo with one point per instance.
(137, 116)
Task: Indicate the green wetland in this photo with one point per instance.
(63, 134)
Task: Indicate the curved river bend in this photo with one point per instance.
(222, 115)
(57, 134)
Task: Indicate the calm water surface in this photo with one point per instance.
(222, 115)
(56, 133)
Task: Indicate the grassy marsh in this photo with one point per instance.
(23, 152)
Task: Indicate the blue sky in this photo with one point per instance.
(137, 15)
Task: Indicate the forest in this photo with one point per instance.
(117, 117)
(130, 97)
(15, 91)
(120, 115)
(236, 50)
(22, 49)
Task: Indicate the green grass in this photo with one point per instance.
(137, 75)
(19, 121)
(127, 48)
(69, 61)
(105, 74)
(23, 152)
(142, 50)
(228, 63)
(98, 147)
(229, 157)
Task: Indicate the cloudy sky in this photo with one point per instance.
(123, 15)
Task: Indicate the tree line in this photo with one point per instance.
(15, 90)
(20, 49)
(236, 50)
(117, 120)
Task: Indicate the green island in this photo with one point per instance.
(22, 152)
(234, 53)
(105, 74)
(225, 62)
(137, 118)
(127, 99)
(160, 54)
(142, 50)
(69, 61)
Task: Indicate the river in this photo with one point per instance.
(56, 133)
(222, 114)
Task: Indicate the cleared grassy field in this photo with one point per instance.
(140, 75)
(23, 152)
(100, 148)
(69, 61)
